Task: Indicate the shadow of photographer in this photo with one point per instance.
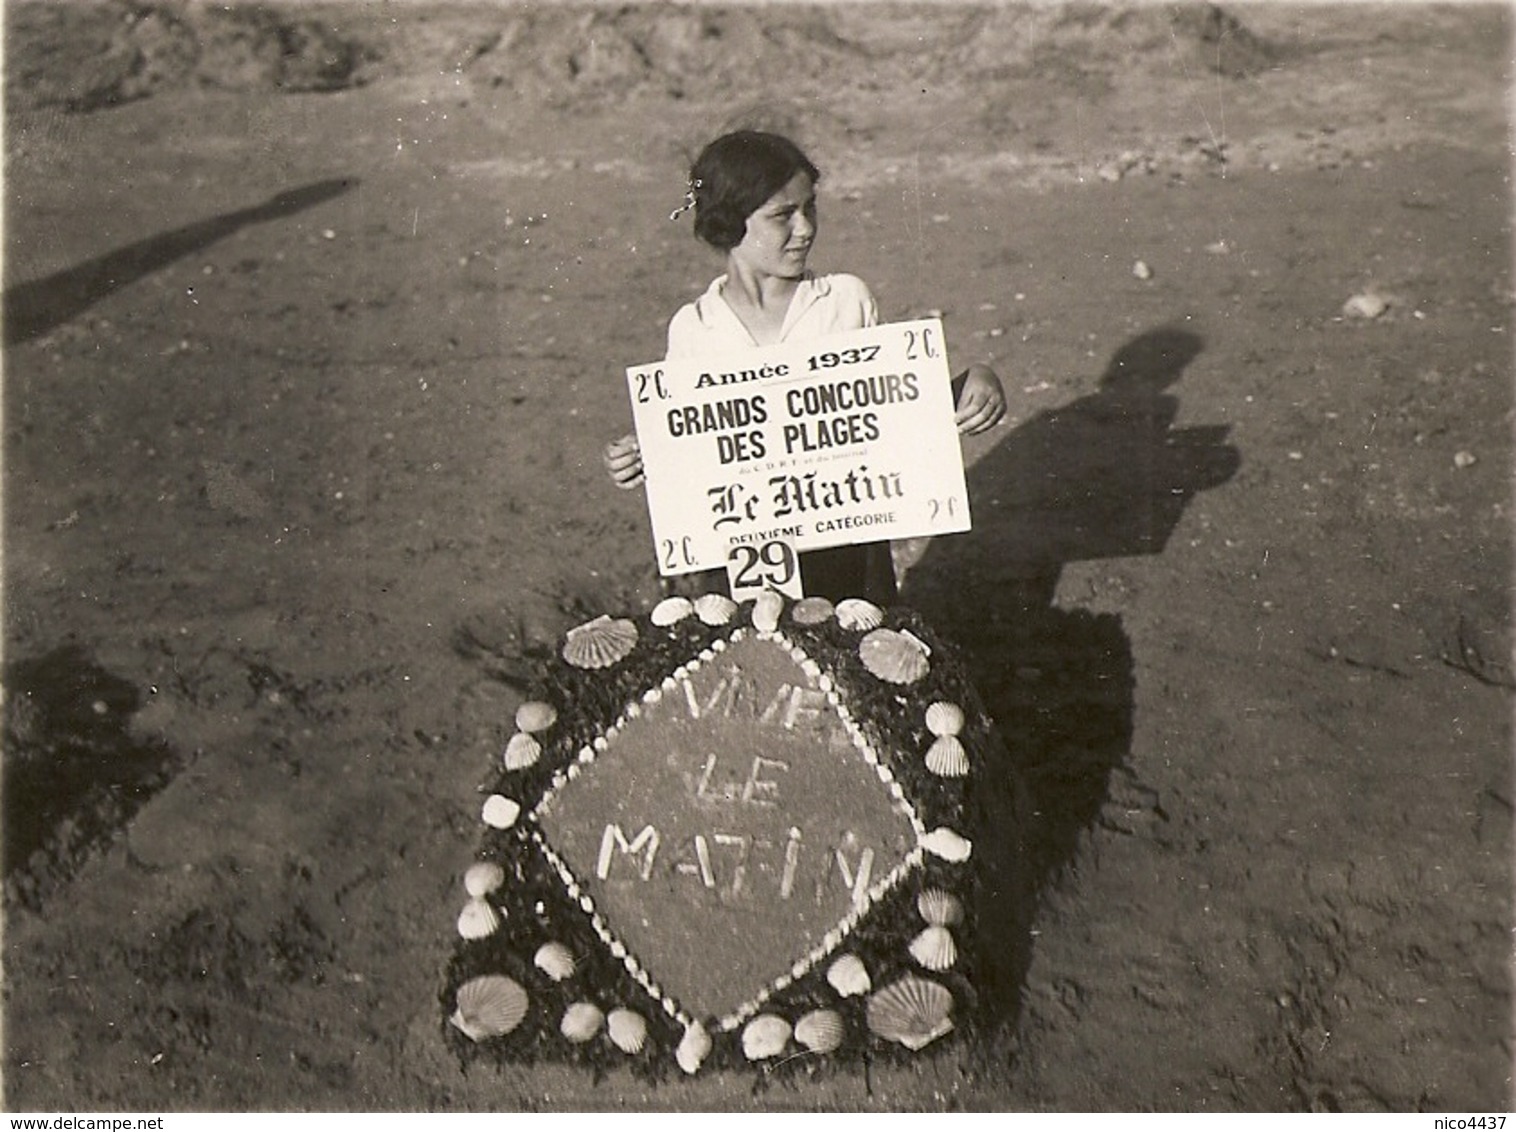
(33, 308)
(1106, 476)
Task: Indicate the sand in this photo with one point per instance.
(316, 318)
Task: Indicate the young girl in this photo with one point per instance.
(754, 198)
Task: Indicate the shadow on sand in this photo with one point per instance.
(35, 307)
(1106, 476)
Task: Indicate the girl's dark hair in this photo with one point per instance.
(735, 175)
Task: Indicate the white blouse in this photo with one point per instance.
(821, 305)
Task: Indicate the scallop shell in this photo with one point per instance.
(943, 718)
(535, 715)
(500, 812)
(555, 961)
(599, 643)
(857, 614)
(893, 656)
(671, 611)
(934, 948)
(489, 1006)
(766, 610)
(694, 1048)
(581, 1021)
(849, 976)
(820, 1031)
(765, 1036)
(913, 1012)
(947, 758)
(943, 842)
(478, 920)
(939, 907)
(812, 611)
(521, 752)
(627, 1030)
(715, 609)
(482, 878)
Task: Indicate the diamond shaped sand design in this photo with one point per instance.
(732, 831)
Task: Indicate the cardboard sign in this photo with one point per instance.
(847, 439)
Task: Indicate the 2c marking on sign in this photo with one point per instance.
(920, 343)
(653, 379)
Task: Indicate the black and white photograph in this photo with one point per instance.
(767, 556)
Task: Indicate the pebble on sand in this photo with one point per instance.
(1366, 305)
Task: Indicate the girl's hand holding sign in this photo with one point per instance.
(754, 198)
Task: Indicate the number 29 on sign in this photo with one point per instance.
(752, 568)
